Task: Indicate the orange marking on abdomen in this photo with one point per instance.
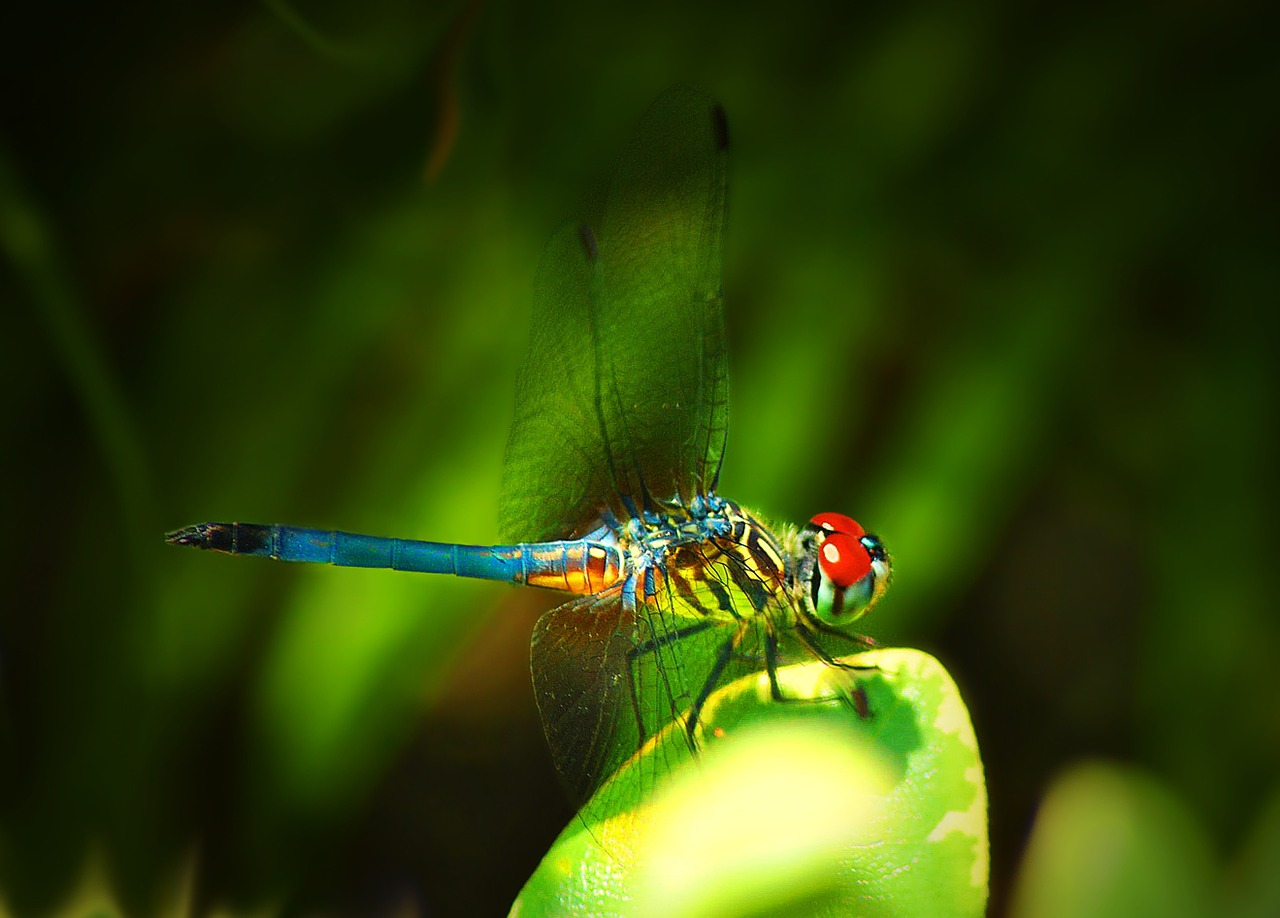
(576, 570)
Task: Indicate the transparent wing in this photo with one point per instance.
(579, 655)
(624, 393)
(606, 680)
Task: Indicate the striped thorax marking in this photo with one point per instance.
(725, 566)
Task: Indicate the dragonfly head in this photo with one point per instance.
(846, 569)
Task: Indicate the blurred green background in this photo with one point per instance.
(1001, 282)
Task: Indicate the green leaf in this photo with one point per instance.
(1110, 841)
(795, 809)
(1253, 883)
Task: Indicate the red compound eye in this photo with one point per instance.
(843, 558)
(838, 522)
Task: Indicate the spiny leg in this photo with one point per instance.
(858, 696)
(806, 634)
(727, 651)
(861, 640)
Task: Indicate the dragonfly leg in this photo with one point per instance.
(727, 651)
(807, 632)
(772, 661)
(651, 646)
(858, 696)
(810, 640)
(669, 638)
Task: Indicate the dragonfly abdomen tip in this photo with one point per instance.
(188, 535)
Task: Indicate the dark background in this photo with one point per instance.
(1001, 283)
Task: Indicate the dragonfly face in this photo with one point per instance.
(844, 568)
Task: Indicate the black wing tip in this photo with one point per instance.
(589, 245)
(719, 126)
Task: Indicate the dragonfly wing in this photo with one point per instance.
(625, 388)
(661, 342)
(579, 660)
(556, 473)
(609, 677)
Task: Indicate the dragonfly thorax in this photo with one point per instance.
(720, 557)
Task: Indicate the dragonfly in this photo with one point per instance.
(609, 482)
